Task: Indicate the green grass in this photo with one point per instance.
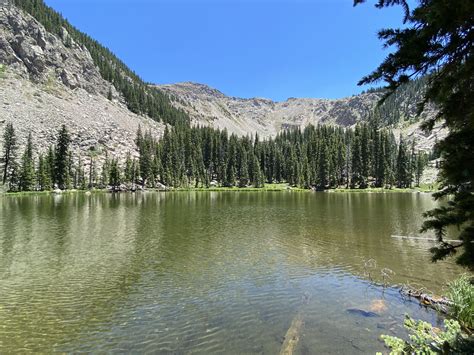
(268, 187)
(461, 293)
(421, 188)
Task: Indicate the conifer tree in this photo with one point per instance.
(114, 175)
(61, 166)
(92, 168)
(27, 172)
(49, 165)
(403, 165)
(421, 161)
(43, 174)
(244, 172)
(9, 152)
(356, 161)
(436, 41)
(80, 175)
(105, 172)
(129, 169)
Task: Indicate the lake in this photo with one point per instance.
(210, 272)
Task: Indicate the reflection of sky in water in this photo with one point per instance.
(222, 272)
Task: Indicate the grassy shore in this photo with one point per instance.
(268, 187)
(421, 188)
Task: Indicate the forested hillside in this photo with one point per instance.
(402, 105)
(140, 98)
(308, 143)
(321, 157)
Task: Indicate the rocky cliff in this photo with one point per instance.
(46, 81)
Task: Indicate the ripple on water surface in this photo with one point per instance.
(206, 272)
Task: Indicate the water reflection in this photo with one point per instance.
(205, 271)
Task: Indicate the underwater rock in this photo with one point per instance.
(361, 312)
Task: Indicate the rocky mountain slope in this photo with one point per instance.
(46, 80)
(208, 106)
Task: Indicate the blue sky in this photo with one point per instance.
(261, 48)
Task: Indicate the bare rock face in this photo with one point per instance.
(94, 122)
(209, 106)
(26, 46)
(48, 80)
(45, 84)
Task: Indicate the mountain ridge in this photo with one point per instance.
(206, 105)
(59, 65)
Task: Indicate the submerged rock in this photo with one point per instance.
(361, 312)
(378, 306)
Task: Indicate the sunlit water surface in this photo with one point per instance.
(208, 272)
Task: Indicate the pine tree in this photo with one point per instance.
(144, 145)
(61, 167)
(105, 172)
(9, 152)
(365, 157)
(421, 161)
(50, 162)
(356, 159)
(43, 175)
(258, 175)
(440, 46)
(129, 169)
(244, 170)
(323, 171)
(403, 165)
(114, 175)
(80, 176)
(92, 168)
(27, 172)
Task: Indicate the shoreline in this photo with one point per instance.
(268, 188)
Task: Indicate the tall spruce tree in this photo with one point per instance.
(43, 175)
(9, 152)
(115, 175)
(437, 41)
(27, 172)
(403, 165)
(61, 166)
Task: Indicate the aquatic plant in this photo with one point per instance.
(461, 294)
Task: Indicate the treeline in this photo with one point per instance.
(57, 168)
(401, 104)
(140, 98)
(321, 157)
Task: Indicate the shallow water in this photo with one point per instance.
(208, 272)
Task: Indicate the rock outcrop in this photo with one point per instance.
(34, 53)
(208, 106)
(46, 81)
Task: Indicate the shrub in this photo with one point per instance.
(425, 339)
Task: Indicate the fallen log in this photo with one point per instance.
(439, 303)
(292, 336)
(425, 239)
